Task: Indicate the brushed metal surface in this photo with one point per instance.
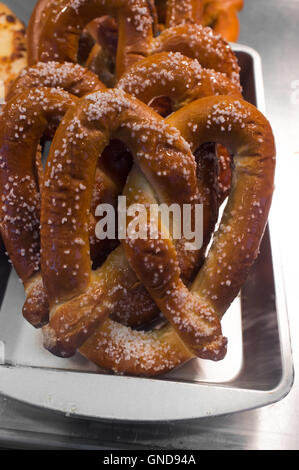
(270, 27)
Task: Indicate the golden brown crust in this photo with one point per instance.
(29, 114)
(73, 78)
(200, 43)
(183, 11)
(243, 129)
(64, 20)
(247, 134)
(114, 113)
(174, 76)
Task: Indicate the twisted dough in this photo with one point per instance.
(29, 116)
(221, 15)
(99, 116)
(168, 73)
(55, 29)
(246, 132)
(250, 138)
(26, 117)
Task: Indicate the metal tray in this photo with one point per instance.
(256, 371)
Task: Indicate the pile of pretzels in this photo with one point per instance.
(139, 99)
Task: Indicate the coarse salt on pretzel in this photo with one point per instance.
(24, 119)
(55, 28)
(27, 118)
(199, 43)
(99, 116)
(181, 80)
(183, 11)
(246, 132)
(73, 78)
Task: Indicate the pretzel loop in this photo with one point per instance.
(246, 132)
(64, 20)
(98, 117)
(26, 116)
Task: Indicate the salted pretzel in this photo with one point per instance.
(200, 83)
(29, 118)
(55, 28)
(221, 15)
(57, 36)
(240, 127)
(118, 114)
(180, 80)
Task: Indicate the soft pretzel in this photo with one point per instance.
(245, 131)
(199, 43)
(55, 28)
(24, 119)
(222, 16)
(176, 77)
(117, 113)
(57, 36)
(73, 78)
(200, 82)
(241, 128)
(176, 69)
(180, 80)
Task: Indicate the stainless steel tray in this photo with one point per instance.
(256, 371)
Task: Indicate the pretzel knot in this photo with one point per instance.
(55, 29)
(92, 295)
(81, 300)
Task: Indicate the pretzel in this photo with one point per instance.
(55, 27)
(57, 36)
(243, 129)
(180, 80)
(26, 119)
(239, 126)
(199, 43)
(73, 78)
(175, 76)
(209, 83)
(115, 107)
(222, 15)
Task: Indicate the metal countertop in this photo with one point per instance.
(270, 27)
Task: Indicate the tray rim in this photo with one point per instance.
(62, 391)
